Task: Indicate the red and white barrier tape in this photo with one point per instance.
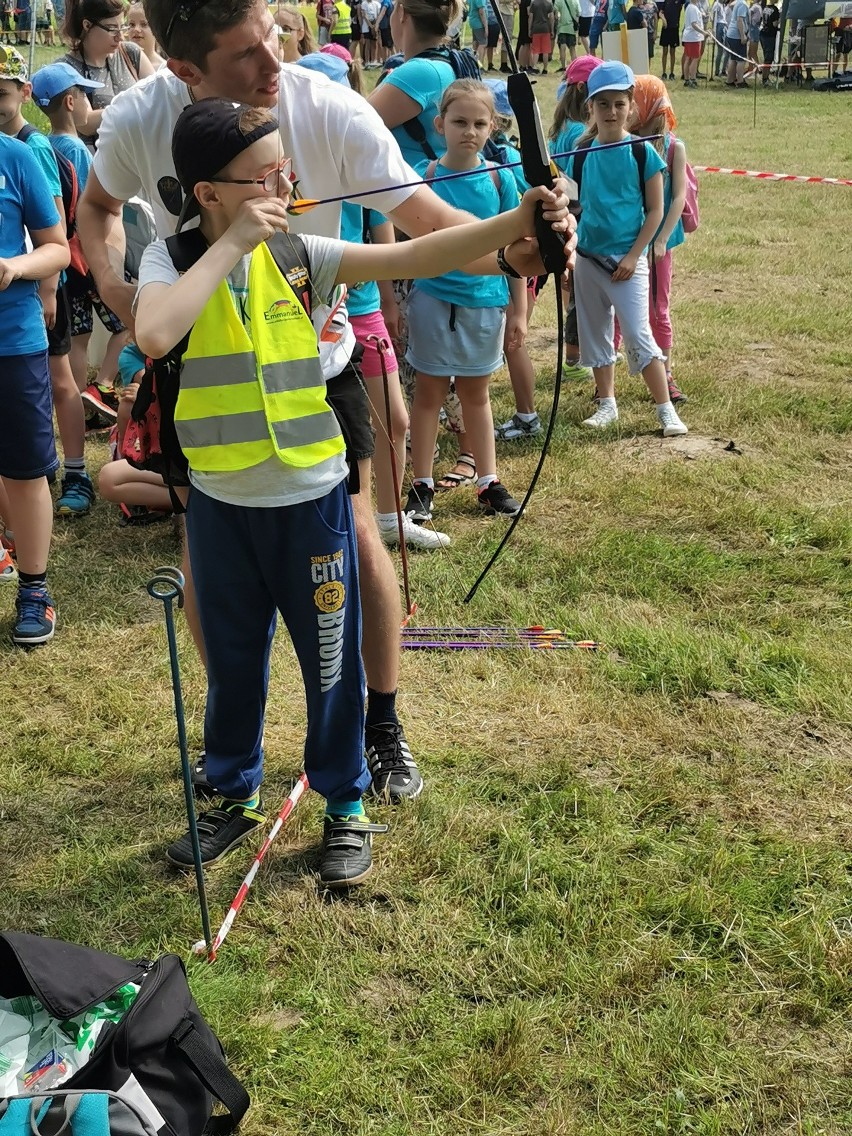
(762, 175)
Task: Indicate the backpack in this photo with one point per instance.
(639, 153)
(70, 196)
(465, 66)
(158, 1067)
(690, 217)
(150, 439)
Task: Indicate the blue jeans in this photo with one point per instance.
(301, 560)
(595, 32)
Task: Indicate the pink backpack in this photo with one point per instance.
(690, 217)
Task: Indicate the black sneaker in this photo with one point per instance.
(496, 498)
(394, 771)
(347, 856)
(419, 503)
(347, 850)
(219, 831)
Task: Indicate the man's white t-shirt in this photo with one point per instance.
(587, 9)
(338, 144)
(692, 16)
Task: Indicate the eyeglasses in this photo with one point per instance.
(183, 11)
(269, 182)
(112, 30)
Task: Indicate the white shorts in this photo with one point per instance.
(598, 299)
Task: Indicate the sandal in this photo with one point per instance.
(454, 479)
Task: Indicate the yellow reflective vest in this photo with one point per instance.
(245, 398)
(344, 15)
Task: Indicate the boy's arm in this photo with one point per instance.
(47, 287)
(166, 312)
(441, 252)
(49, 256)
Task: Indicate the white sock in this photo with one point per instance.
(526, 417)
(484, 482)
(427, 481)
(386, 520)
(661, 406)
(607, 403)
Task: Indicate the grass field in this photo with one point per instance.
(622, 906)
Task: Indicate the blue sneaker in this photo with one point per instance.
(77, 496)
(36, 617)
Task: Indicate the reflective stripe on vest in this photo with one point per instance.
(244, 400)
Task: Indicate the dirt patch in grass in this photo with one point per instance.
(691, 447)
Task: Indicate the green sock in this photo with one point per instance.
(339, 808)
(252, 802)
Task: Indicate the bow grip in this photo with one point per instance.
(538, 168)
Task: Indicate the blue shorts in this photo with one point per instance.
(598, 27)
(446, 339)
(27, 448)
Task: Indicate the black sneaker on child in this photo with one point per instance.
(347, 856)
(496, 498)
(219, 831)
(394, 771)
(419, 503)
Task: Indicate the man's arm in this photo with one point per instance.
(99, 223)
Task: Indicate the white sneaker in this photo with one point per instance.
(670, 422)
(416, 536)
(516, 427)
(604, 416)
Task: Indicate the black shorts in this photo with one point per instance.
(493, 35)
(387, 38)
(59, 336)
(347, 397)
(670, 37)
(585, 26)
(27, 449)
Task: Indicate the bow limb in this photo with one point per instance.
(538, 170)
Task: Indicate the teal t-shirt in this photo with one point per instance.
(363, 299)
(478, 195)
(678, 236)
(569, 136)
(424, 81)
(45, 157)
(77, 153)
(613, 209)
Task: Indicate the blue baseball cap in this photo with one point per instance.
(331, 66)
(611, 76)
(56, 79)
(501, 96)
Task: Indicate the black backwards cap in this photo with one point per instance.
(207, 137)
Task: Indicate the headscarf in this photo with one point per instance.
(650, 99)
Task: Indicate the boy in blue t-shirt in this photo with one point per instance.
(27, 450)
(77, 492)
(61, 93)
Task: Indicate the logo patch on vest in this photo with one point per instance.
(297, 278)
(280, 311)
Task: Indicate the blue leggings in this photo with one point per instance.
(301, 560)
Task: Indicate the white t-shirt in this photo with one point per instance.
(587, 9)
(338, 144)
(370, 10)
(692, 16)
(271, 484)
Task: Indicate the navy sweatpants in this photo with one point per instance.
(302, 561)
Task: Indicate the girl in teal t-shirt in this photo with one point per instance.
(622, 212)
(456, 321)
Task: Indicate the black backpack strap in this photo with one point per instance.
(26, 131)
(414, 127)
(640, 154)
(220, 1081)
(292, 261)
(578, 163)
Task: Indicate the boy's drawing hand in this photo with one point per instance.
(258, 219)
(8, 274)
(626, 268)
